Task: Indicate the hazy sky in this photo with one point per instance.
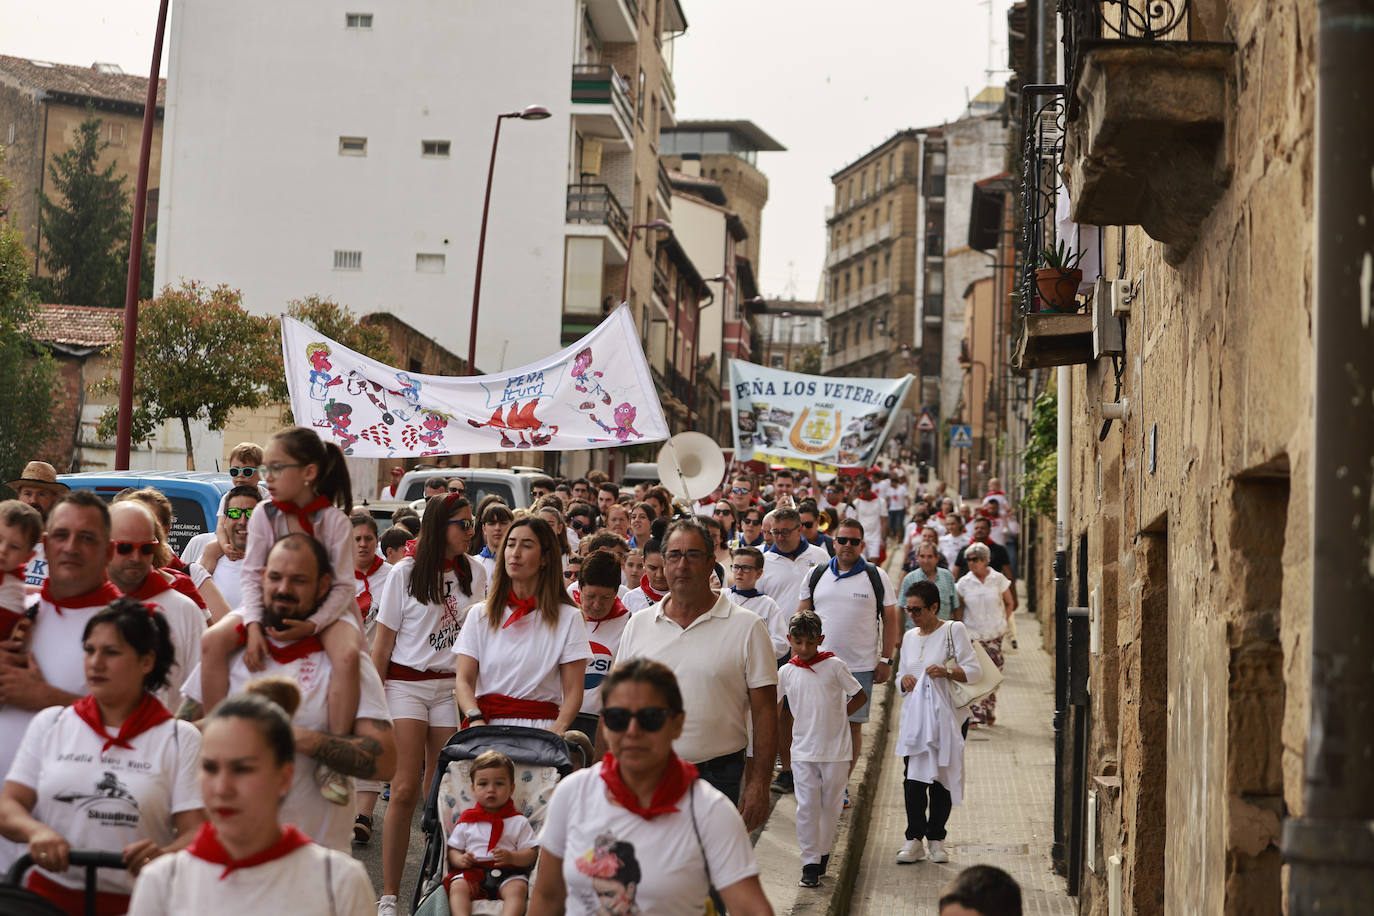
(828, 80)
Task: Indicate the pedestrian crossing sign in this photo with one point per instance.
(961, 437)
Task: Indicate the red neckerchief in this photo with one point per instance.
(206, 846)
(149, 714)
(183, 583)
(675, 782)
(175, 565)
(815, 660)
(17, 572)
(97, 597)
(652, 595)
(617, 610)
(479, 815)
(410, 548)
(365, 596)
(870, 496)
(285, 655)
(522, 607)
(152, 586)
(303, 513)
(392, 488)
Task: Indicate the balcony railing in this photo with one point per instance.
(1043, 109)
(665, 186)
(596, 204)
(935, 185)
(600, 84)
(1089, 21)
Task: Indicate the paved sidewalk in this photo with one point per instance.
(1007, 816)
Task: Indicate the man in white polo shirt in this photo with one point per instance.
(788, 561)
(843, 596)
(294, 582)
(725, 667)
(135, 535)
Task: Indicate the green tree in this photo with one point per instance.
(338, 323)
(85, 227)
(1041, 459)
(809, 360)
(28, 373)
(199, 357)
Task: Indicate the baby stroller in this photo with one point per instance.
(17, 900)
(541, 760)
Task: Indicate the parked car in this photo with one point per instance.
(511, 485)
(195, 495)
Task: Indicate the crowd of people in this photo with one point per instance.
(687, 648)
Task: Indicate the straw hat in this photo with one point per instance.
(39, 474)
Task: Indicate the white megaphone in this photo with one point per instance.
(690, 466)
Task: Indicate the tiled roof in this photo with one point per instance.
(83, 81)
(75, 325)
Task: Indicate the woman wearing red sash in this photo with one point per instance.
(419, 614)
(522, 655)
(639, 832)
(244, 860)
(112, 771)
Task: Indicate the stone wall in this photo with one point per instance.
(1197, 531)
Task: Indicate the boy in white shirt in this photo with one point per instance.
(21, 528)
(747, 566)
(823, 695)
(492, 847)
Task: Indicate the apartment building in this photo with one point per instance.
(793, 335)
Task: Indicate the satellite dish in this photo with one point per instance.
(691, 465)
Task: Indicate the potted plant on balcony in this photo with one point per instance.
(1058, 280)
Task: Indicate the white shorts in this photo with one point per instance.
(424, 701)
(545, 724)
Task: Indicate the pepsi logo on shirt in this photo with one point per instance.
(598, 666)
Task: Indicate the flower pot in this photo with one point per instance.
(1058, 288)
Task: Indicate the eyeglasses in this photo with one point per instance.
(579, 526)
(739, 569)
(569, 574)
(272, 470)
(739, 491)
(236, 512)
(753, 521)
(464, 524)
(650, 718)
(722, 512)
(459, 490)
(915, 608)
(783, 532)
(849, 542)
(146, 548)
(677, 556)
(243, 472)
(808, 524)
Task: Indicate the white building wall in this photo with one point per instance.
(256, 195)
(701, 231)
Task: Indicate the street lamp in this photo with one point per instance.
(529, 113)
(657, 225)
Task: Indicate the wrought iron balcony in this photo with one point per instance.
(595, 204)
(1087, 22)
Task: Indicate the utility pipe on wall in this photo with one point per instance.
(1063, 428)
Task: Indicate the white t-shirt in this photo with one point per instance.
(871, 514)
(984, 613)
(604, 638)
(186, 621)
(849, 614)
(107, 800)
(488, 563)
(516, 834)
(425, 633)
(817, 698)
(195, 549)
(37, 568)
(718, 659)
(584, 826)
(308, 881)
(782, 576)
(228, 578)
(373, 583)
(326, 823)
(897, 498)
(523, 659)
(636, 600)
(773, 618)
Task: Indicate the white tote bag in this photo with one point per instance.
(963, 694)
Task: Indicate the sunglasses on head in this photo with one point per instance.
(650, 718)
(125, 548)
(236, 512)
(242, 472)
(849, 542)
(464, 524)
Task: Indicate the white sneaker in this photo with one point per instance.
(911, 851)
(386, 906)
(937, 852)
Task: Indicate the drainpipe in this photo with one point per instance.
(1064, 404)
(1330, 848)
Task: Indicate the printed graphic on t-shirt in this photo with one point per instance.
(111, 803)
(615, 873)
(451, 620)
(598, 666)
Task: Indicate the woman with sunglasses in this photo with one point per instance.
(724, 513)
(421, 609)
(750, 529)
(639, 832)
(522, 654)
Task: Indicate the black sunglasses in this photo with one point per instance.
(650, 718)
(146, 548)
(464, 524)
(578, 526)
(849, 542)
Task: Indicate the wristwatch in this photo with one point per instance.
(886, 661)
(473, 714)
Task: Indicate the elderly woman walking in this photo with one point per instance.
(987, 607)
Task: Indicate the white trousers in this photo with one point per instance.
(819, 788)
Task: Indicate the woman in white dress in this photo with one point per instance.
(986, 594)
(244, 860)
(930, 740)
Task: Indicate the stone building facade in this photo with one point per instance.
(1185, 716)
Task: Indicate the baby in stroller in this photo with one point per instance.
(492, 847)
